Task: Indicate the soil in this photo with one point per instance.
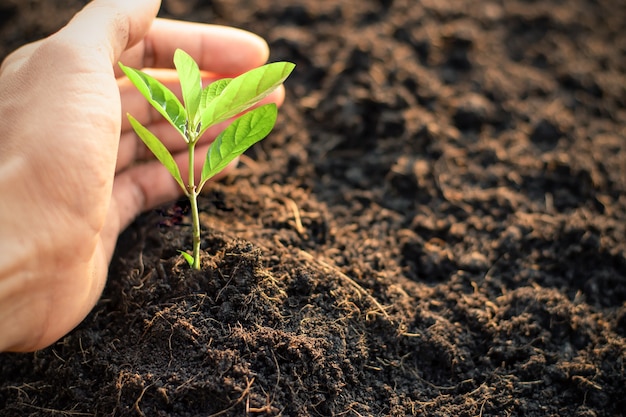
(436, 227)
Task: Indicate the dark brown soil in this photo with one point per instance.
(436, 227)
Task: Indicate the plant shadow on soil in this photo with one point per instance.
(435, 227)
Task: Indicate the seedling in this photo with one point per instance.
(205, 107)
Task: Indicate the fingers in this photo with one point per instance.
(145, 186)
(134, 103)
(103, 26)
(111, 26)
(131, 147)
(219, 49)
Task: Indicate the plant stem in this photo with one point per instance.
(193, 199)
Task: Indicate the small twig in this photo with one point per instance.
(296, 216)
(239, 400)
(349, 280)
(62, 412)
(482, 408)
(138, 400)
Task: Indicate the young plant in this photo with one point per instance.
(205, 107)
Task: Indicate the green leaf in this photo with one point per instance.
(237, 138)
(190, 82)
(187, 257)
(160, 97)
(213, 90)
(158, 149)
(244, 92)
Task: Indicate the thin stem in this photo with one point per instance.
(193, 199)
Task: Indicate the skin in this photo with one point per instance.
(73, 175)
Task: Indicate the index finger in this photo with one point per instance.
(222, 50)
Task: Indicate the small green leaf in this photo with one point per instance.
(244, 92)
(158, 149)
(237, 138)
(187, 257)
(213, 90)
(190, 82)
(159, 96)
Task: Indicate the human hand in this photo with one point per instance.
(72, 173)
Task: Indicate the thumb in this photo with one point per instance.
(110, 26)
